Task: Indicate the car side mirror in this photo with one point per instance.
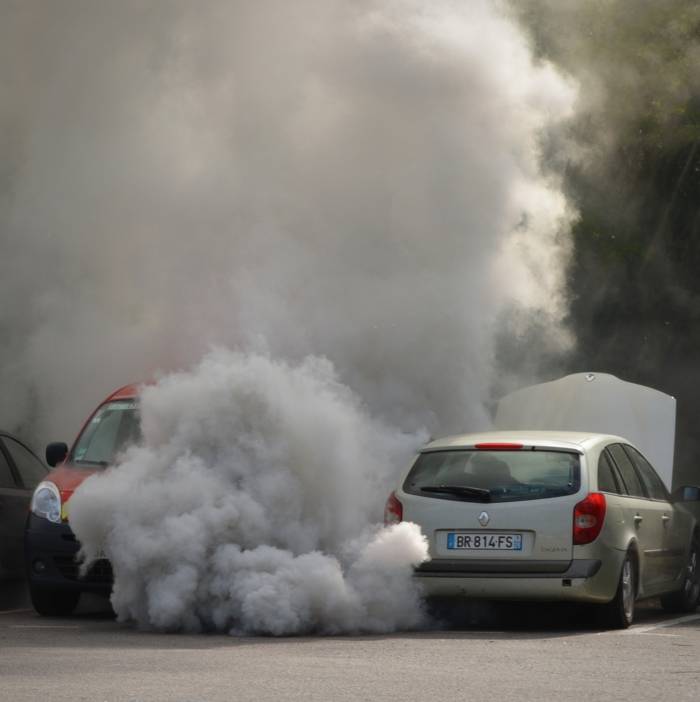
(687, 493)
(56, 453)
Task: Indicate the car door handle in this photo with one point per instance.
(638, 519)
(665, 518)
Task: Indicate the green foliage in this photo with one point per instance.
(631, 163)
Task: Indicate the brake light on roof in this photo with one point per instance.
(393, 510)
(589, 515)
(500, 446)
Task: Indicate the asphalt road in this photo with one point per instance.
(497, 653)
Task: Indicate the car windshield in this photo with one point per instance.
(114, 427)
(494, 476)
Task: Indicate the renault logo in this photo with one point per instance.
(484, 519)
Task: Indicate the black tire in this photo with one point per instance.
(619, 612)
(686, 599)
(53, 603)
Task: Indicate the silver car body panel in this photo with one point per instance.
(549, 566)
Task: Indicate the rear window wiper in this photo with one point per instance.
(479, 494)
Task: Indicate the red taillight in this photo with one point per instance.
(393, 510)
(503, 446)
(589, 515)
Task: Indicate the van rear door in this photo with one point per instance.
(602, 404)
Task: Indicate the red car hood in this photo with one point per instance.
(67, 478)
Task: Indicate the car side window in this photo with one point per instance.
(629, 475)
(30, 468)
(652, 482)
(607, 482)
(7, 480)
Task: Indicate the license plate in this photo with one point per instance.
(477, 541)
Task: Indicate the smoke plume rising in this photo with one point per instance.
(249, 472)
(352, 181)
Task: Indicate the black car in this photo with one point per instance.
(20, 472)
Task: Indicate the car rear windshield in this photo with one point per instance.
(494, 476)
(114, 427)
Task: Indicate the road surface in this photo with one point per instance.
(516, 653)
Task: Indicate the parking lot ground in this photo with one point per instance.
(512, 652)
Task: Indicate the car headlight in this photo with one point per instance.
(46, 502)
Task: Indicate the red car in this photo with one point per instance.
(50, 545)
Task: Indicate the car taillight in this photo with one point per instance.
(393, 510)
(589, 515)
(499, 446)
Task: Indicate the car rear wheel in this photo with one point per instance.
(686, 599)
(53, 603)
(619, 613)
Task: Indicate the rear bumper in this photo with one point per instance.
(50, 558)
(578, 580)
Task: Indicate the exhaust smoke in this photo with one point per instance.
(350, 195)
(250, 472)
(356, 180)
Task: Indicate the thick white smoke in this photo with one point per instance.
(358, 181)
(249, 506)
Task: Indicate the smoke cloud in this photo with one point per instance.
(250, 471)
(351, 181)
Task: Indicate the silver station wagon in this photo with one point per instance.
(550, 515)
